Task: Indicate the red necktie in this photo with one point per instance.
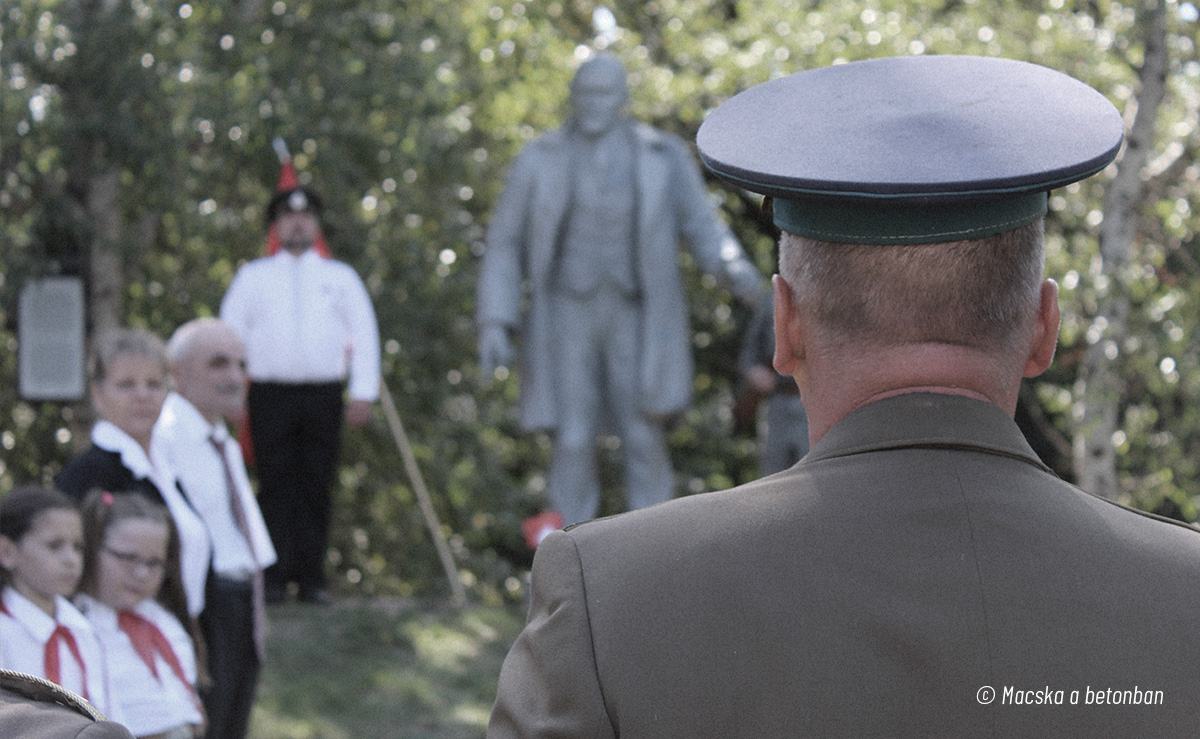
(148, 641)
(50, 662)
(50, 659)
(240, 520)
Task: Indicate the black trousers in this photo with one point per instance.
(227, 624)
(296, 431)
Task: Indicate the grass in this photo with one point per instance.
(385, 668)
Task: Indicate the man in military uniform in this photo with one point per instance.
(33, 708)
(920, 572)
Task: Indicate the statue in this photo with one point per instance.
(587, 229)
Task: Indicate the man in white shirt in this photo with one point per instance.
(207, 366)
(311, 337)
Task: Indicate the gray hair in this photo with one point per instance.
(182, 342)
(978, 293)
(121, 342)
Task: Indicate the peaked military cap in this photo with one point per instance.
(911, 150)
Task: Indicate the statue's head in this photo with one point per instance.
(598, 94)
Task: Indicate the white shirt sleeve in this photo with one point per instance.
(364, 341)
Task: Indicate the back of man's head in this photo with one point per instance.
(913, 204)
(980, 294)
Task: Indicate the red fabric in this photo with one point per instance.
(50, 658)
(239, 519)
(319, 243)
(148, 641)
(272, 240)
(538, 527)
(287, 177)
(244, 440)
(50, 661)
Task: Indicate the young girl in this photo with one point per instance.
(131, 594)
(41, 559)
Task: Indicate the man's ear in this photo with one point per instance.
(789, 329)
(1045, 331)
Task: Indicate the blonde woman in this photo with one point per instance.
(128, 376)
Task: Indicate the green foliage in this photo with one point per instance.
(405, 117)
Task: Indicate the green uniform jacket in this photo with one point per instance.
(920, 573)
(33, 708)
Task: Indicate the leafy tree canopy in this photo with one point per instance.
(406, 115)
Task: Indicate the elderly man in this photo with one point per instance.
(589, 225)
(920, 572)
(208, 369)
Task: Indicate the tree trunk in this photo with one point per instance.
(94, 184)
(1098, 391)
(106, 273)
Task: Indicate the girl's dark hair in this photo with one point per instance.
(102, 509)
(20, 509)
(24, 504)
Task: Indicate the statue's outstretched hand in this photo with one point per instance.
(495, 348)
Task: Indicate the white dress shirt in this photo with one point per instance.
(195, 549)
(24, 632)
(181, 439)
(305, 319)
(150, 704)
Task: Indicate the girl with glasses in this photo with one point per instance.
(130, 592)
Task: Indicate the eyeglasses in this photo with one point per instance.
(133, 561)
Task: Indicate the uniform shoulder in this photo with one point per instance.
(38, 689)
(1188, 532)
(690, 521)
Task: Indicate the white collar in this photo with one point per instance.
(307, 255)
(39, 623)
(102, 614)
(179, 412)
(107, 436)
(95, 611)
